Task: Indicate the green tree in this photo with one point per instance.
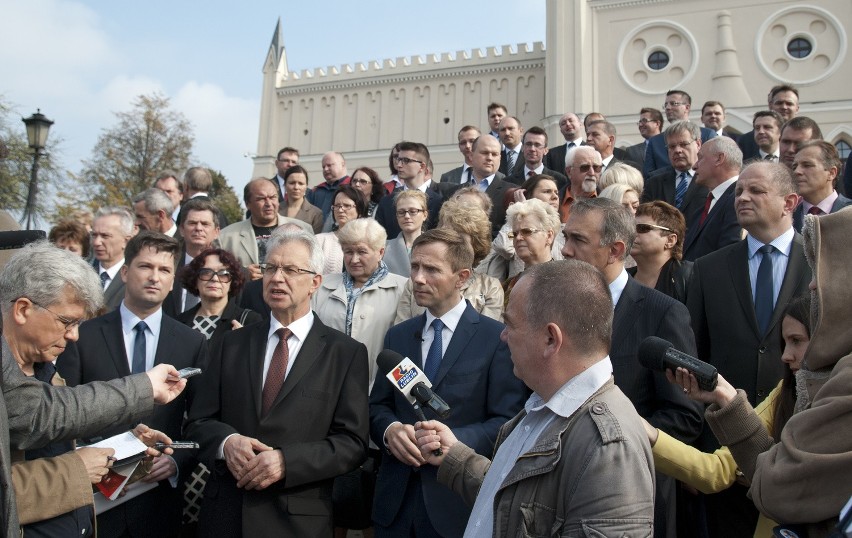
(223, 195)
(16, 161)
(147, 139)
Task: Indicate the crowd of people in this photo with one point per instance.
(520, 286)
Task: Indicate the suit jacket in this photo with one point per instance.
(657, 155)
(624, 160)
(555, 158)
(386, 212)
(453, 176)
(733, 136)
(661, 186)
(99, 355)
(720, 228)
(748, 146)
(504, 162)
(636, 152)
(319, 421)
(497, 192)
(114, 293)
(239, 239)
(34, 414)
(799, 213)
(518, 177)
(476, 380)
(310, 214)
(722, 310)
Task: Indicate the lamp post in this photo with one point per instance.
(38, 127)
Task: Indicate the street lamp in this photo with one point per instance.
(38, 127)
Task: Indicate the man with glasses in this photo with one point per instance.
(131, 340)
(583, 171)
(650, 124)
(676, 108)
(287, 158)
(601, 232)
(674, 184)
(414, 169)
(535, 150)
(463, 173)
(282, 410)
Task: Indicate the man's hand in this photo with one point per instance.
(722, 395)
(150, 436)
(400, 441)
(166, 383)
(254, 271)
(432, 435)
(97, 462)
(163, 467)
(239, 451)
(263, 470)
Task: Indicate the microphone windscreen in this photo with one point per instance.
(387, 360)
(652, 351)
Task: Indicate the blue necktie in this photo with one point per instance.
(433, 358)
(104, 278)
(764, 289)
(680, 188)
(510, 154)
(139, 352)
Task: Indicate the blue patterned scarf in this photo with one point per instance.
(352, 293)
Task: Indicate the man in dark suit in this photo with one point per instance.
(511, 156)
(133, 339)
(650, 124)
(736, 300)
(286, 158)
(462, 174)
(766, 129)
(675, 184)
(282, 409)
(112, 228)
(169, 183)
(485, 161)
(197, 183)
(815, 169)
(784, 100)
(469, 367)
(676, 107)
(639, 312)
(718, 165)
(572, 131)
(713, 117)
(535, 149)
(414, 169)
(795, 133)
(601, 134)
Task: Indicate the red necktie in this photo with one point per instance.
(814, 210)
(531, 173)
(277, 370)
(706, 209)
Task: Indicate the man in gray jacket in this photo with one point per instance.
(606, 486)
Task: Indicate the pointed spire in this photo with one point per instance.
(728, 83)
(277, 45)
(276, 58)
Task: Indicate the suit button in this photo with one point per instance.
(760, 394)
(762, 350)
(598, 409)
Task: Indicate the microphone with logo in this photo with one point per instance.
(658, 354)
(408, 379)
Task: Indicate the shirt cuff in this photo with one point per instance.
(220, 453)
(385, 435)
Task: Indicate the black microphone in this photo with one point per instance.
(408, 379)
(658, 354)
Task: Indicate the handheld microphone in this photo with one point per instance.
(658, 354)
(413, 384)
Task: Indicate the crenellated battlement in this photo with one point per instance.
(402, 65)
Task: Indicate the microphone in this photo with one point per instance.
(658, 354)
(408, 379)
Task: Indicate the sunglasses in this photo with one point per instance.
(645, 228)
(584, 168)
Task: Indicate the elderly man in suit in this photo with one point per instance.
(736, 300)
(112, 228)
(44, 294)
(463, 174)
(535, 150)
(716, 169)
(470, 368)
(600, 231)
(130, 340)
(675, 184)
(676, 107)
(282, 409)
(572, 131)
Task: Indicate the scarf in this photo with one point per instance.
(352, 293)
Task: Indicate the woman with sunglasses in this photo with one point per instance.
(368, 182)
(658, 249)
(215, 277)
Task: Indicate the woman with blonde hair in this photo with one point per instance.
(623, 194)
(623, 174)
(411, 215)
(534, 226)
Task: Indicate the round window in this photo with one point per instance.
(799, 47)
(658, 60)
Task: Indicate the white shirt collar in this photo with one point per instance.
(616, 287)
(722, 187)
(451, 318)
(300, 327)
(112, 271)
(575, 391)
(782, 243)
(538, 170)
(171, 231)
(129, 320)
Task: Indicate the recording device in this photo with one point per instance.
(184, 373)
(413, 384)
(175, 445)
(658, 354)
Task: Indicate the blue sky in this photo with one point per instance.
(79, 61)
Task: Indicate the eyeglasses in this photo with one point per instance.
(67, 322)
(343, 207)
(534, 145)
(643, 121)
(681, 145)
(673, 104)
(404, 212)
(360, 181)
(405, 160)
(645, 228)
(290, 271)
(206, 274)
(523, 232)
(584, 168)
